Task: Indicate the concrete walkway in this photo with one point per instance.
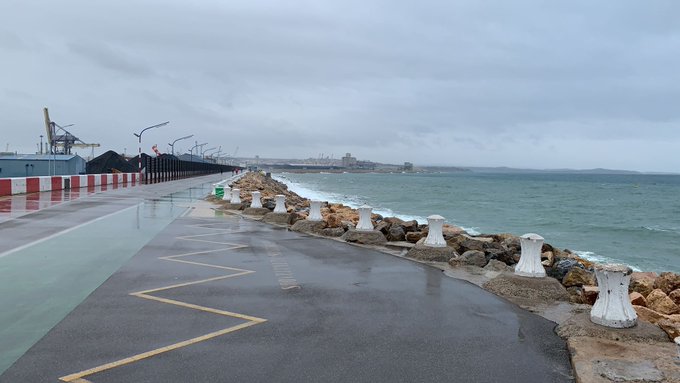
(223, 299)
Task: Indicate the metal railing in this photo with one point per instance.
(161, 169)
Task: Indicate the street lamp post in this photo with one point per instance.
(139, 136)
(173, 143)
(200, 147)
(191, 151)
(208, 150)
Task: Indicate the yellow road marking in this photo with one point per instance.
(201, 308)
(193, 283)
(251, 320)
(148, 354)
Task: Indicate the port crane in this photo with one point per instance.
(61, 140)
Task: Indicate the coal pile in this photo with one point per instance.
(109, 162)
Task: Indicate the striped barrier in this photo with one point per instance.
(25, 185)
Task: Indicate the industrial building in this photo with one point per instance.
(33, 165)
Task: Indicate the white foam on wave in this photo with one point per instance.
(590, 256)
(674, 230)
(353, 202)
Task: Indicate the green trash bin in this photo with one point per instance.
(219, 192)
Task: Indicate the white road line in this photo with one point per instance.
(70, 229)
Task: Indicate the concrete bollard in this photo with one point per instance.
(529, 264)
(314, 211)
(214, 189)
(235, 196)
(227, 194)
(365, 223)
(612, 307)
(280, 204)
(257, 202)
(435, 237)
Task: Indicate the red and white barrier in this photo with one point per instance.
(25, 185)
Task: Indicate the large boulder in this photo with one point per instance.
(670, 326)
(393, 220)
(306, 226)
(332, 232)
(410, 226)
(415, 236)
(668, 323)
(675, 296)
(637, 299)
(432, 254)
(473, 257)
(576, 294)
(577, 276)
(449, 231)
(383, 226)
(396, 233)
(233, 206)
(667, 282)
(658, 301)
(527, 290)
(472, 244)
(580, 325)
(278, 218)
(648, 315)
(590, 294)
(642, 283)
(345, 224)
(548, 258)
(373, 237)
(256, 211)
(498, 266)
(455, 241)
(501, 255)
(268, 204)
(511, 242)
(333, 220)
(562, 267)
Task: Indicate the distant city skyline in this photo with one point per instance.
(523, 84)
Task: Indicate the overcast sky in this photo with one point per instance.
(538, 84)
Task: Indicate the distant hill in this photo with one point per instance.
(443, 169)
(503, 169)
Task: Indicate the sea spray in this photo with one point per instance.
(353, 201)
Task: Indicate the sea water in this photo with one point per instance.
(631, 219)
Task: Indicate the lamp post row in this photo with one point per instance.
(172, 145)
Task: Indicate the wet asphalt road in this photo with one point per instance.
(298, 309)
(28, 228)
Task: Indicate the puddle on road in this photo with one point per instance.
(41, 284)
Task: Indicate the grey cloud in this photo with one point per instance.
(461, 82)
(111, 58)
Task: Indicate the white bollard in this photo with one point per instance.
(529, 264)
(214, 189)
(435, 237)
(256, 199)
(612, 307)
(365, 223)
(235, 196)
(280, 204)
(314, 211)
(227, 194)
